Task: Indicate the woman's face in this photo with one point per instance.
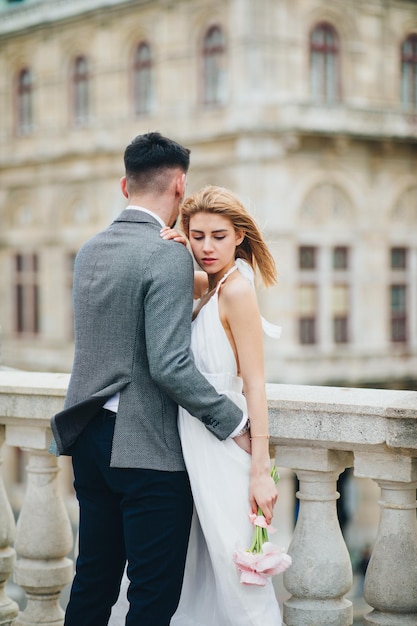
(213, 241)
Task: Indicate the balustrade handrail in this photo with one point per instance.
(315, 431)
(35, 396)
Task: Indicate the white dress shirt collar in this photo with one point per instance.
(141, 208)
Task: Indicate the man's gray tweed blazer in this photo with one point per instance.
(132, 308)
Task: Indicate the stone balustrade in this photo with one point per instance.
(315, 431)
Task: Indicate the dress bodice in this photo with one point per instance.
(210, 344)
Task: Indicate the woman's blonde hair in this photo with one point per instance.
(253, 248)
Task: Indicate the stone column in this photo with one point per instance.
(8, 608)
(43, 539)
(321, 573)
(391, 577)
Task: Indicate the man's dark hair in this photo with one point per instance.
(147, 158)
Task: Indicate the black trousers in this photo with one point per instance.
(140, 515)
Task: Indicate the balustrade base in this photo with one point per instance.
(9, 610)
(41, 611)
(376, 618)
(306, 612)
(42, 582)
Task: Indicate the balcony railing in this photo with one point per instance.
(316, 431)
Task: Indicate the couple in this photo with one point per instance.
(133, 293)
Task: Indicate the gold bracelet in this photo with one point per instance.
(266, 436)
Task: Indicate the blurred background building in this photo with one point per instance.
(306, 108)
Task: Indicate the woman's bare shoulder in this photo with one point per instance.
(237, 290)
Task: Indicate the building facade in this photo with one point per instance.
(307, 109)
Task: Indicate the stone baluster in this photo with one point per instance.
(43, 539)
(321, 573)
(391, 576)
(8, 608)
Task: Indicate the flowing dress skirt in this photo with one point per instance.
(212, 594)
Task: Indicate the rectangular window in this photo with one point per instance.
(340, 312)
(398, 258)
(26, 290)
(70, 260)
(340, 258)
(398, 304)
(307, 257)
(307, 306)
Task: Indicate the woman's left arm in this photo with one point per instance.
(239, 309)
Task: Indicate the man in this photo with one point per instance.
(132, 367)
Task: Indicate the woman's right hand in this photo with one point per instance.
(263, 494)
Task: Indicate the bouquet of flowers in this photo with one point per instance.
(263, 558)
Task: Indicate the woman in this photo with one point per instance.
(227, 482)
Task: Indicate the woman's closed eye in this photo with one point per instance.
(218, 237)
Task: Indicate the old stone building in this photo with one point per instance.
(306, 108)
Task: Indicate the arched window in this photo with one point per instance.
(24, 102)
(409, 71)
(142, 79)
(214, 66)
(324, 63)
(80, 91)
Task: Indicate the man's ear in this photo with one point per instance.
(180, 185)
(123, 186)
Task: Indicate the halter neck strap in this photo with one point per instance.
(271, 330)
(221, 281)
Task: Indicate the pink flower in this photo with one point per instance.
(259, 520)
(263, 558)
(256, 567)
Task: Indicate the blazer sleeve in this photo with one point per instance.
(168, 312)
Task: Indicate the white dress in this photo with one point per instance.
(212, 594)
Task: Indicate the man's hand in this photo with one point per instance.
(243, 441)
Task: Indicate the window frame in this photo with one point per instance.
(26, 293)
(80, 91)
(340, 258)
(341, 318)
(324, 88)
(24, 101)
(409, 84)
(398, 317)
(213, 56)
(142, 73)
(398, 252)
(305, 254)
(308, 321)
